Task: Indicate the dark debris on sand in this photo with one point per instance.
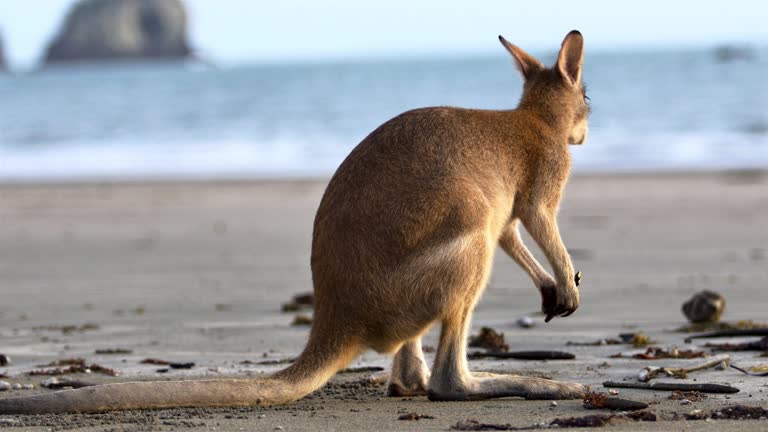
(599, 342)
(732, 412)
(172, 365)
(693, 396)
(489, 339)
(299, 302)
(414, 416)
(113, 351)
(758, 345)
(72, 366)
(590, 421)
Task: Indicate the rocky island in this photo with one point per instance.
(104, 30)
(3, 65)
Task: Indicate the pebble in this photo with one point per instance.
(685, 402)
(7, 422)
(4, 360)
(613, 392)
(28, 386)
(49, 382)
(261, 416)
(4, 386)
(278, 428)
(525, 322)
(16, 386)
(554, 403)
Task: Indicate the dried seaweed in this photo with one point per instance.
(693, 396)
(637, 339)
(590, 421)
(732, 412)
(602, 420)
(599, 342)
(648, 373)
(69, 329)
(72, 366)
(299, 302)
(301, 320)
(474, 425)
(113, 351)
(656, 353)
(155, 361)
(414, 416)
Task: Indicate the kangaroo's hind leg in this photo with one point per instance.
(410, 373)
(451, 378)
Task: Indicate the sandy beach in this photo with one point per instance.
(197, 271)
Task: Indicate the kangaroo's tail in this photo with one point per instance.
(319, 361)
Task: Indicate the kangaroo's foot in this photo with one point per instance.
(451, 379)
(487, 386)
(410, 373)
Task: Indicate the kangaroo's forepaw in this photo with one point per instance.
(559, 300)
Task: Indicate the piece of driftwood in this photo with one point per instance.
(729, 333)
(595, 400)
(705, 388)
(648, 373)
(755, 345)
(524, 355)
(362, 369)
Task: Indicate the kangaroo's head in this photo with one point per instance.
(556, 93)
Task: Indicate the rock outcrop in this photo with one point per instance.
(98, 30)
(3, 65)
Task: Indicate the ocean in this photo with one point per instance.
(651, 110)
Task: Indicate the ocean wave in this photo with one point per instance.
(288, 157)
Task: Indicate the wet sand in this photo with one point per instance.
(197, 271)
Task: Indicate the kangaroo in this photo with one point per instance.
(403, 238)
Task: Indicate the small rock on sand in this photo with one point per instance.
(525, 322)
(704, 307)
(5, 386)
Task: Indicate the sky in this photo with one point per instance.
(239, 31)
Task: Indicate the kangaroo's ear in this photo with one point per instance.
(525, 63)
(571, 57)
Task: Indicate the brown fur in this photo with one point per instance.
(404, 237)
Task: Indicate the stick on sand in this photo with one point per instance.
(706, 388)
